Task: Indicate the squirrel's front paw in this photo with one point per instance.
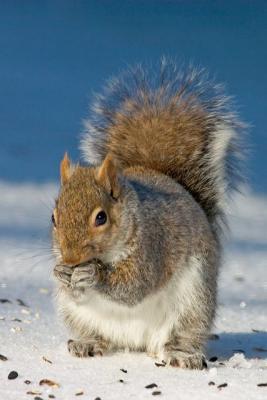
(63, 274)
(85, 276)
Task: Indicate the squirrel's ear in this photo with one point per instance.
(107, 176)
(66, 169)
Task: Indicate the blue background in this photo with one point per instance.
(55, 54)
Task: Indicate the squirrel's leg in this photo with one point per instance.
(94, 346)
(184, 350)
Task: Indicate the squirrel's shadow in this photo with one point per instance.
(252, 345)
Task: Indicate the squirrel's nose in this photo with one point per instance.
(70, 258)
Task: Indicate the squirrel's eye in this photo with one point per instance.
(101, 218)
(53, 220)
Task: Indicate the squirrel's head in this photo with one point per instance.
(88, 211)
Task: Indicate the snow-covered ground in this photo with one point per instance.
(33, 339)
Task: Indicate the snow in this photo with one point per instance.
(25, 274)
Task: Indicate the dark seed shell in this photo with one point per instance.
(213, 359)
(160, 364)
(156, 393)
(48, 382)
(21, 303)
(3, 358)
(151, 386)
(222, 385)
(13, 375)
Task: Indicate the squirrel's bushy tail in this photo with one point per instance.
(178, 123)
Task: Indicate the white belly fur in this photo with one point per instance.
(144, 326)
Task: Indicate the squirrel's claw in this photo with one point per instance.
(84, 276)
(63, 273)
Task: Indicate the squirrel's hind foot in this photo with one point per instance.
(180, 359)
(89, 348)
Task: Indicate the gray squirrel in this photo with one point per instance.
(137, 230)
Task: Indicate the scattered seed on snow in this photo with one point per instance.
(79, 393)
(156, 393)
(51, 396)
(222, 385)
(3, 358)
(211, 383)
(46, 360)
(151, 386)
(13, 375)
(162, 364)
(124, 370)
(121, 380)
(262, 384)
(27, 382)
(33, 392)
(3, 301)
(213, 359)
(21, 303)
(38, 398)
(49, 382)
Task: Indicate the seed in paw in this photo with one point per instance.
(13, 375)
